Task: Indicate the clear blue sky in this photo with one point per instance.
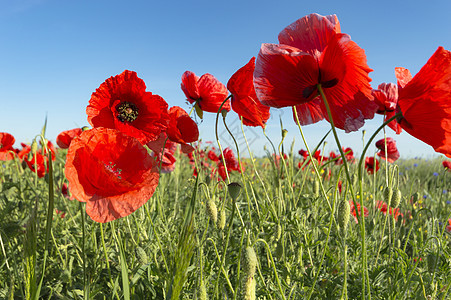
(55, 53)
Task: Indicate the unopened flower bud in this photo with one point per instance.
(222, 219)
(388, 194)
(212, 210)
(234, 190)
(344, 213)
(396, 199)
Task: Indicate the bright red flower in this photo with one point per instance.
(182, 129)
(37, 163)
(64, 138)
(122, 103)
(213, 156)
(6, 146)
(386, 96)
(312, 51)
(371, 165)
(392, 152)
(111, 172)
(166, 158)
(230, 160)
(447, 164)
(448, 227)
(425, 102)
(303, 153)
(383, 208)
(354, 211)
(207, 92)
(244, 99)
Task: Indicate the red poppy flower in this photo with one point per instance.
(244, 99)
(447, 164)
(371, 165)
(448, 227)
(354, 211)
(425, 102)
(111, 172)
(213, 156)
(386, 97)
(6, 146)
(392, 152)
(230, 160)
(383, 208)
(166, 158)
(303, 153)
(312, 51)
(182, 129)
(207, 92)
(37, 163)
(64, 138)
(122, 103)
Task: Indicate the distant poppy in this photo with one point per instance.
(6, 146)
(447, 164)
(303, 153)
(213, 156)
(424, 101)
(230, 160)
(313, 51)
(37, 163)
(355, 212)
(122, 103)
(392, 152)
(166, 158)
(182, 129)
(110, 171)
(383, 208)
(206, 92)
(386, 97)
(371, 165)
(64, 138)
(244, 99)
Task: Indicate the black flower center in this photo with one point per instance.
(126, 112)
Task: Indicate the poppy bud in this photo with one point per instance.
(212, 210)
(278, 232)
(316, 188)
(396, 200)
(34, 147)
(222, 219)
(344, 213)
(388, 194)
(432, 261)
(84, 128)
(202, 291)
(249, 267)
(234, 190)
(141, 255)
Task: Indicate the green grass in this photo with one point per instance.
(292, 228)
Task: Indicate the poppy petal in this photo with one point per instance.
(284, 76)
(310, 112)
(425, 103)
(310, 33)
(110, 171)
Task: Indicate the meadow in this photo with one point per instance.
(277, 234)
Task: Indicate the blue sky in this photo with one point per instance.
(54, 54)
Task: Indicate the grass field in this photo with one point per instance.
(280, 233)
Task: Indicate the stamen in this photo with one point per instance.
(126, 112)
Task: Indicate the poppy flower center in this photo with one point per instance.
(126, 112)
(113, 169)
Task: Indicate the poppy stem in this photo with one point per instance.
(360, 216)
(217, 138)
